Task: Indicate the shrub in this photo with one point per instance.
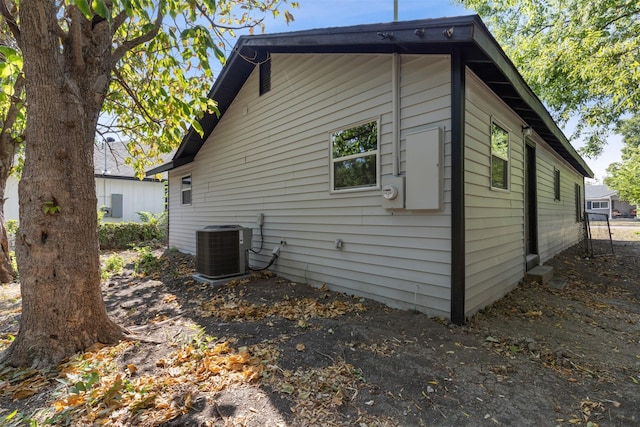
(124, 235)
(114, 264)
(11, 225)
(147, 262)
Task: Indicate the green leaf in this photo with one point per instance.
(219, 55)
(198, 127)
(8, 52)
(6, 70)
(83, 5)
(128, 7)
(100, 7)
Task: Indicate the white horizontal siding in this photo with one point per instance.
(137, 196)
(270, 154)
(494, 218)
(557, 225)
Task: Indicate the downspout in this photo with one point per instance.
(458, 250)
(395, 108)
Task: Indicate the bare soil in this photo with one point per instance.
(559, 355)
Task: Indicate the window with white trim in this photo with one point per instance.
(556, 184)
(355, 159)
(499, 157)
(598, 205)
(579, 203)
(186, 190)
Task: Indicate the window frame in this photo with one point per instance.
(579, 201)
(507, 160)
(184, 190)
(557, 184)
(599, 202)
(333, 161)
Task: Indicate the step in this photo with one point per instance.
(533, 261)
(541, 274)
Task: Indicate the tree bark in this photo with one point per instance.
(57, 243)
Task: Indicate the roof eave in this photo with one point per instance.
(491, 48)
(401, 37)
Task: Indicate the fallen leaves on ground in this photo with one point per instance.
(96, 391)
(22, 383)
(232, 307)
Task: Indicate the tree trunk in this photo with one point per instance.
(57, 243)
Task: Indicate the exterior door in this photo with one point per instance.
(530, 207)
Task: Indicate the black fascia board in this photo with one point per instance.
(162, 168)
(418, 36)
(127, 178)
(176, 162)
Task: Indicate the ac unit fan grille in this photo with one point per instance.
(217, 253)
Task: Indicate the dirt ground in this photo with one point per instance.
(269, 352)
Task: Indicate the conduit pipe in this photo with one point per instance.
(395, 107)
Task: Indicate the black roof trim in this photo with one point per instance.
(482, 55)
(128, 178)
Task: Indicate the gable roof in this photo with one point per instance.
(111, 163)
(598, 192)
(468, 34)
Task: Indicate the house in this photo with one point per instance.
(406, 162)
(600, 199)
(121, 195)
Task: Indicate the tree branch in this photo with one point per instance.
(75, 38)
(11, 21)
(131, 93)
(130, 44)
(119, 20)
(214, 24)
(615, 19)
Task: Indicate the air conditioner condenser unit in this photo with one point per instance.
(222, 251)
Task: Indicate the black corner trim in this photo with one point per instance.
(458, 248)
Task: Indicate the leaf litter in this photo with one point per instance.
(330, 359)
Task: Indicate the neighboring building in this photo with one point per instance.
(120, 193)
(603, 200)
(406, 162)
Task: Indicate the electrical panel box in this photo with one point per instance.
(424, 170)
(116, 206)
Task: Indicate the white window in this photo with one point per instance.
(186, 190)
(556, 184)
(499, 157)
(355, 160)
(599, 205)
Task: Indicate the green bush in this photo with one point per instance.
(147, 262)
(11, 225)
(124, 235)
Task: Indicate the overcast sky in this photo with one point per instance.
(336, 13)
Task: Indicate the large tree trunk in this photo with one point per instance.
(57, 244)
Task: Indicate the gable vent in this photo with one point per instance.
(265, 76)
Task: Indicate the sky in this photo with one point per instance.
(336, 13)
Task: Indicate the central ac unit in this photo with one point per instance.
(222, 251)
